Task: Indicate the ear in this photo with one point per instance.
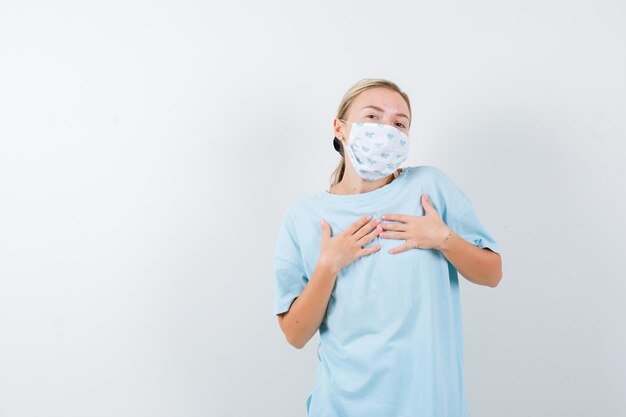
(339, 130)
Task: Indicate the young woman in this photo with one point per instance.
(372, 264)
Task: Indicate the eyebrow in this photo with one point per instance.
(381, 110)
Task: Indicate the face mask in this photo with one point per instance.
(376, 149)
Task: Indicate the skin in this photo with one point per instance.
(478, 265)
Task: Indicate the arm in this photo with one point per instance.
(479, 265)
(307, 311)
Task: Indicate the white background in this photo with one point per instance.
(149, 149)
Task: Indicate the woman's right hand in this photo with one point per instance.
(339, 251)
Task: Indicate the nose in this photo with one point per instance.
(388, 120)
(391, 121)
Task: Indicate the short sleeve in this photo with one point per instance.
(459, 214)
(289, 276)
(471, 229)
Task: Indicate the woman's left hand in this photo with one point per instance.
(421, 232)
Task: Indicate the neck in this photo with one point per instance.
(352, 183)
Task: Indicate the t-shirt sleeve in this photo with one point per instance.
(471, 229)
(289, 276)
(459, 214)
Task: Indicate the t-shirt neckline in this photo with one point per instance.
(370, 194)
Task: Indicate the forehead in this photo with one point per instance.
(389, 100)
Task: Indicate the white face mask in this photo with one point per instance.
(376, 149)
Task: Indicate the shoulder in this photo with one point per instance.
(430, 173)
(422, 170)
(443, 188)
(302, 206)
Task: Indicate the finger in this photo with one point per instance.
(357, 225)
(400, 227)
(368, 250)
(370, 236)
(404, 247)
(427, 206)
(325, 230)
(397, 216)
(393, 235)
(366, 228)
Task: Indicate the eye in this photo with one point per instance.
(401, 125)
(371, 115)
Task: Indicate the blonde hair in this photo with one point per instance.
(344, 105)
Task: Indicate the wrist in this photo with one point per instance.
(447, 235)
(327, 267)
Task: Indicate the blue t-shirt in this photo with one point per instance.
(391, 338)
